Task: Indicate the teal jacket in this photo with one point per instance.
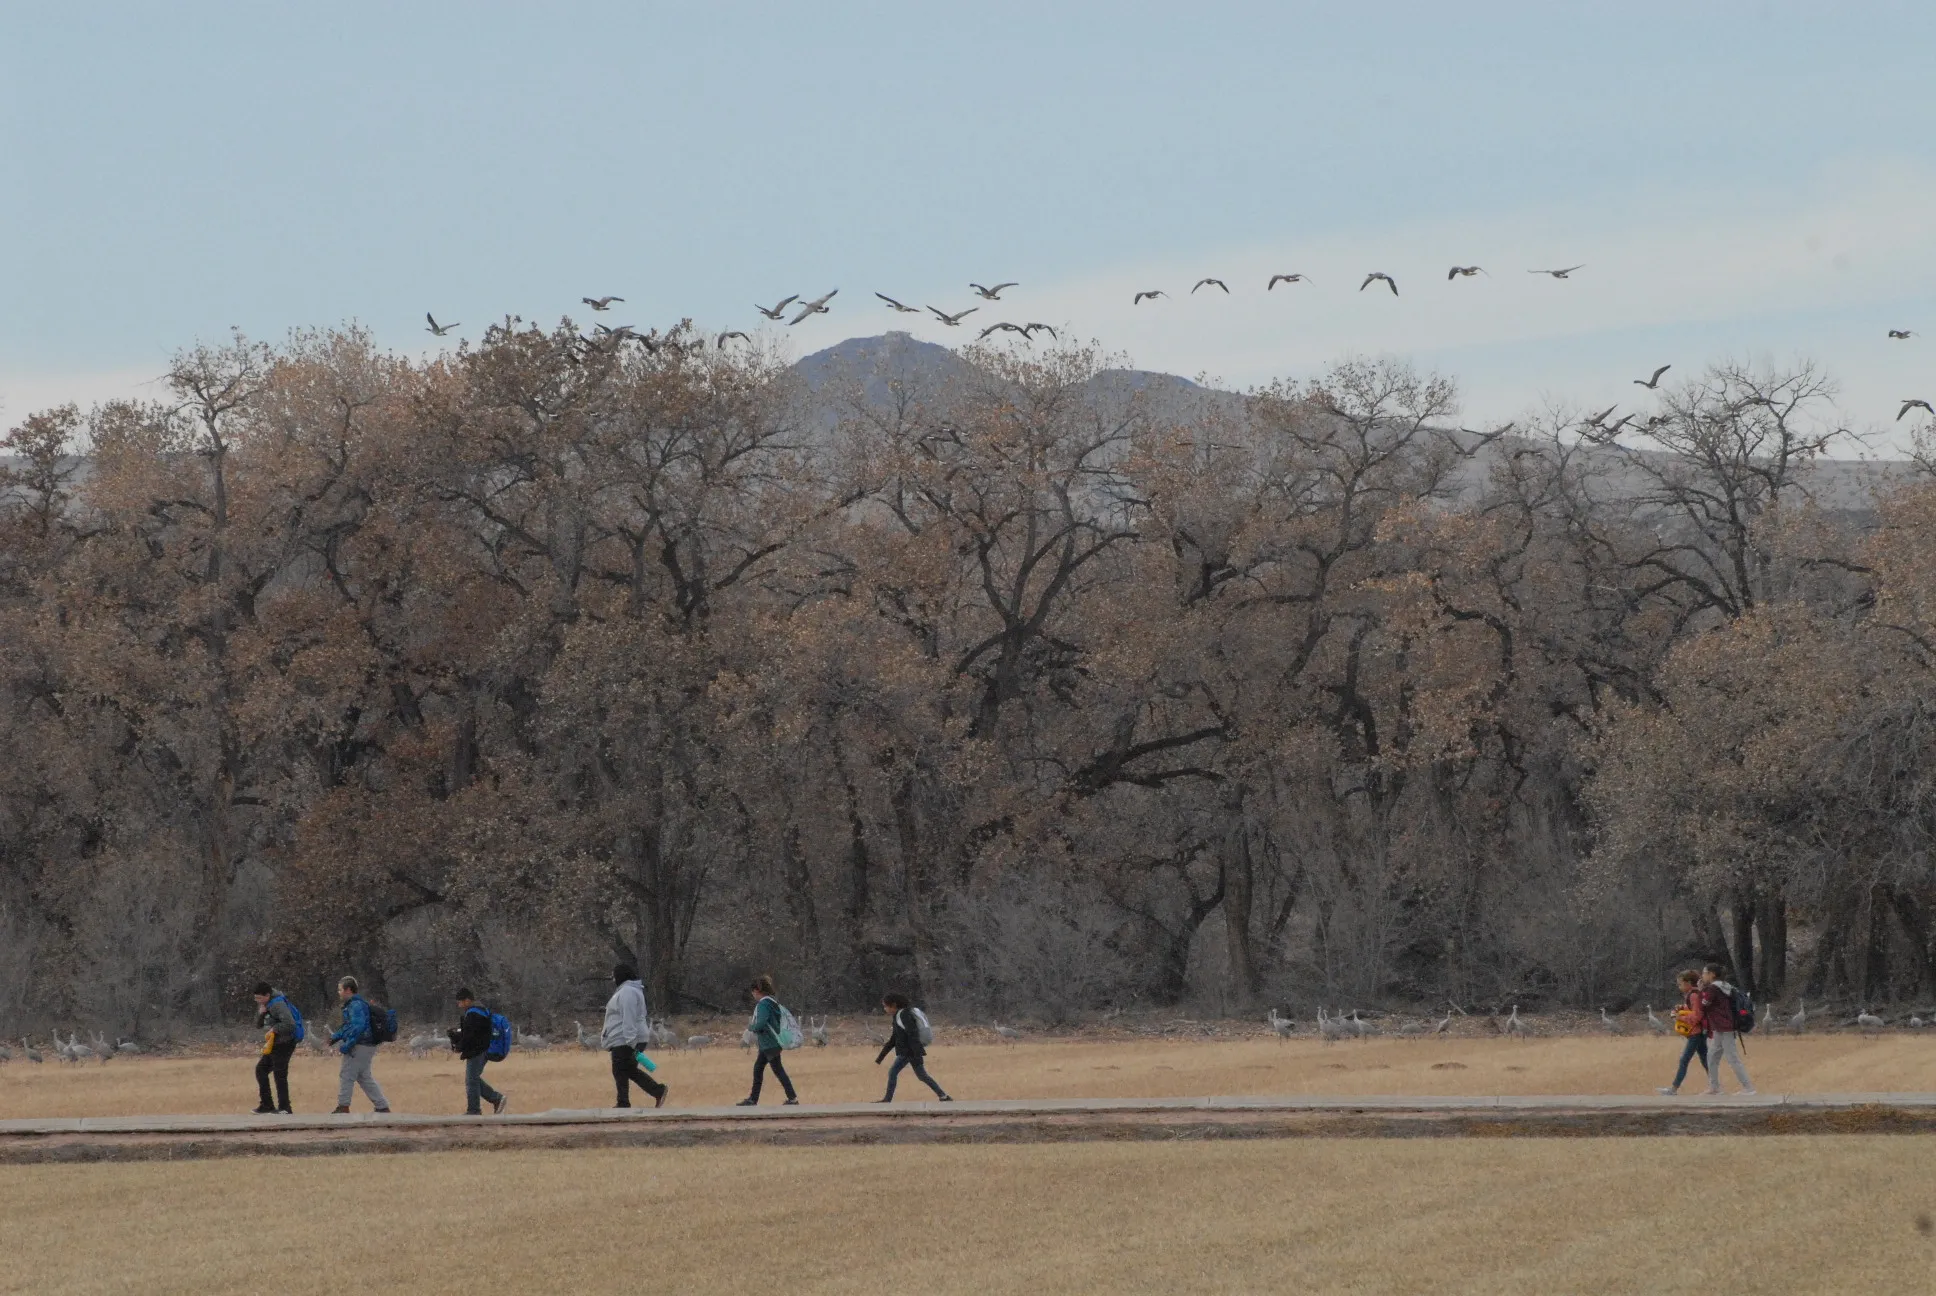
(766, 1024)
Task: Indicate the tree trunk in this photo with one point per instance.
(1771, 917)
(1741, 956)
(1239, 890)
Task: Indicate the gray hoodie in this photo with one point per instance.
(627, 1023)
(276, 1016)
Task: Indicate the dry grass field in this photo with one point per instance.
(1789, 1215)
(1037, 1068)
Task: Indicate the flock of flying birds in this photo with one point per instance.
(1596, 427)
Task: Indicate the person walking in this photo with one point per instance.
(355, 1039)
(1687, 1024)
(1717, 1019)
(470, 1039)
(765, 1029)
(277, 1020)
(908, 1049)
(628, 1026)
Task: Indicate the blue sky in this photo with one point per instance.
(1740, 179)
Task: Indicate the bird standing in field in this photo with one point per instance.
(1654, 1023)
(1277, 279)
(1152, 294)
(899, 306)
(1913, 404)
(439, 329)
(1463, 272)
(1443, 1026)
(1800, 1019)
(954, 320)
(1375, 275)
(600, 303)
(1868, 1021)
(1008, 1033)
(1514, 1026)
(991, 294)
(1559, 274)
(1612, 1025)
(1284, 1026)
(778, 309)
(1653, 381)
(1220, 283)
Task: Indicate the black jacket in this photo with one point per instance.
(471, 1037)
(906, 1039)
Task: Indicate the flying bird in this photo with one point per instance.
(990, 294)
(1277, 279)
(997, 328)
(1463, 272)
(1220, 283)
(1597, 419)
(1152, 294)
(600, 303)
(721, 344)
(1913, 404)
(816, 307)
(1654, 381)
(1029, 329)
(905, 310)
(1900, 334)
(1560, 274)
(954, 321)
(439, 329)
(778, 309)
(1375, 275)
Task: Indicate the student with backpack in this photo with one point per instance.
(282, 1027)
(1687, 1025)
(357, 1040)
(772, 1029)
(480, 1037)
(628, 1027)
(909, 1042)
(1726, 1015)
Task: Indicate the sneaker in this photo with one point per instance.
(791, 1102)
(1750, 1092)
(264, 1110)
(1712, 1093)
(747, 1102)
(883, 1100)
(947, 1098)
(383, 1111)
(660, 1100)
(341, 1111)
(284, 1111)
(503, 1101)
(1667, 1091)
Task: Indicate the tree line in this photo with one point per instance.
(1023, 684)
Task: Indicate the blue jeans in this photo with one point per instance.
(920, 1073)
(475, 1087)
(1696, 1048)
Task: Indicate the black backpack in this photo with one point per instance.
(383, 1023)
(1743, 1004)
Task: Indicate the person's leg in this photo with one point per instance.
(621, 1074)
(346, 1079)
(921, 1074)
(643, 1079)
(366, 1076)
(263, 1066)
(759, 1074)
(280, 1069)
(894, 1076)
(779, 1073)
(1695, 1044)
(1733, 1053)
(473, 1085)
(484, 1089)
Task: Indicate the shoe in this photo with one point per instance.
(791, 1102)
(341, 1111)
(1711, 1093)
(946, 1098)
(1750, 1092)
(503, 1101)
(264, 1110)
(1667, 1091)
(383, 1111)
(472, 1111)
(660, 1100)
(284, 1111)
(883, 1100)
(747, 1102)
(623, 1107)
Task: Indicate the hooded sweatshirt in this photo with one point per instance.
(627, 1023)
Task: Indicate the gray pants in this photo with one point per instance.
(356, 1071)
(475, 1087)
(1726, 1045)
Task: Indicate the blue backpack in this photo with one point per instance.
(500, 1046)
(302, 1031)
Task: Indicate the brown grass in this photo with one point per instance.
(1828, 1214)
(1041, 1068)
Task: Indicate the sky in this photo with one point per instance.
(1741, 180)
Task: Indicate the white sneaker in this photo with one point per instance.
(1750, 1092)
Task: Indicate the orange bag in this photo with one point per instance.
(1684, 1023)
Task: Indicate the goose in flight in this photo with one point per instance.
(998, 328)
(954, 321)
(600, 303)
(1913, 404)
(1464, 272)
(778, 309)
(1029, 331)
(1654, 381)
(1277, 279)
(990, 294)
(1597, 419)
(904, 309)
(439, 329)
(1376, 275)
(1152, 294)
(1220, 283)
(1560, 274)
(721, 343)
(1900, 334)
(818, 306)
